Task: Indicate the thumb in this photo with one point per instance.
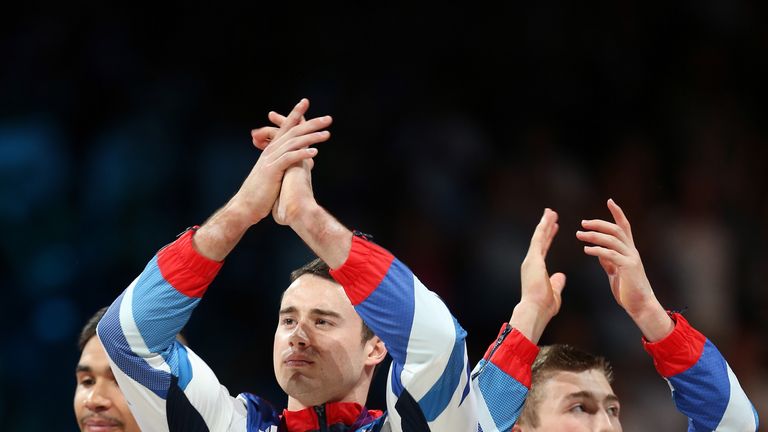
(608, 267)
(558, 282)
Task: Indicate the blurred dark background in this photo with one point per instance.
(121, 125)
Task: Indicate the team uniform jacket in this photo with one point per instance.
(703, 385)
(429, 387)
(170, 388)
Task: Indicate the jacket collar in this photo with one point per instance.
(349, 414)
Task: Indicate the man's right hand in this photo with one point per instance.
(540, 293)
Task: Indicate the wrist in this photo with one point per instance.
(530, 319)
(216, 238)
(239, 216)
(302, 213)
(653, 321)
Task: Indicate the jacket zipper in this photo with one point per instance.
(499, 340)
(322, 421)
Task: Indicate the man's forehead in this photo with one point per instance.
(589, 383)
(313, 290)
(93, 357)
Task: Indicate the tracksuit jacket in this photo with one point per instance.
(430, 385)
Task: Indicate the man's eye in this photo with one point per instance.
(287, 321)
(614, 411)
(322, 322)
(87, 381)
(577, 409)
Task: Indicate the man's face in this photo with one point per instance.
(319, 355)
(99, 403)
(577, 401)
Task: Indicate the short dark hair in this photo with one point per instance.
(319, 268)
(89, 329)
(558, 358)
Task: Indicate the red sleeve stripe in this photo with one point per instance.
(364, 269)
(185, 269)
(679, 351)
(515, 356)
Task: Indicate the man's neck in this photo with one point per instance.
(296, 405)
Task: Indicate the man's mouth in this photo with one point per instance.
(101, 424)
(297, 361)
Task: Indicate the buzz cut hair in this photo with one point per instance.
(551, 360)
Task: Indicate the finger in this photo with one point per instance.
(539, 237)
(606, 254)
(278, 119)
(275, 118)
(551, 226)
(605, 227)
(557, 281)
(604, 240)
(290, 158)
(619, 217)
(294, 117)
(306, 128)
(551, 236)
(262, 136)
(299, 142)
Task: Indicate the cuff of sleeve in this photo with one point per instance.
(186, 269)
(515, 356)
(679, 351)
(364, 269)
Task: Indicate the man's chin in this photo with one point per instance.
(307, 391)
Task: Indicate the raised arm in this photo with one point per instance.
(503, 376)
(704, 387)
(258, 193)
(167, 385)
(429, 377)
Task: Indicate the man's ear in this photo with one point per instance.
(376, 350)
(517, 428)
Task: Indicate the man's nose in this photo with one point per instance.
(605, 422)
(97, 399)
(299, 336)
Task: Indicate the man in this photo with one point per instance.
(99, 403)
(323, 356)
(571, 389)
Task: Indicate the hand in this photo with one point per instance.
(615, 249)
(296, 189)
(541, 294)
(263, 136)
(282, 149)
